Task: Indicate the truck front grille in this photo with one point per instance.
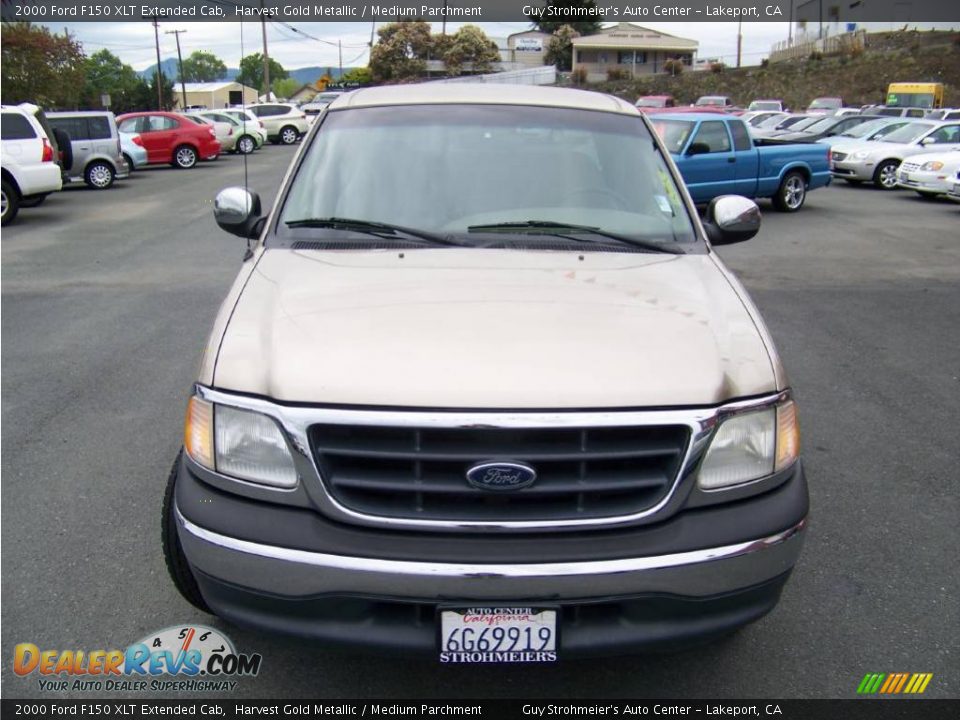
(403, 472)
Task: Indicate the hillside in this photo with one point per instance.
(302, 75)
(858, 78)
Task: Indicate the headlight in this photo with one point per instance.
(932, 165)
(861, 154)
(239, 443)
(751, 445)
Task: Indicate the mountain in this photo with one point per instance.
(303, 75)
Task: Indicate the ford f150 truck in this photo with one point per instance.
(717, 156)
(483, 389)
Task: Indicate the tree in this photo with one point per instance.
(560, 48)
(251, 71)
(286, 87)
(401, 52)
(468, 45)
(40, 67)
(557, 19)
(148, 96)
(205, 67)
(106, 74)
(359, 75)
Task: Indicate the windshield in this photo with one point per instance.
(674, 133)
(826, 103)
(801, 123)
(865, 129)
(712, 100)
(444, 168)
(652, 102)
(765, 105)
(819, 126)
(908, 133)
(921, 100)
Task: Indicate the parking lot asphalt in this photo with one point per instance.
(107, 299)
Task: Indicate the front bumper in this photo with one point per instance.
(698, 577)
(925, 181)
(853, 169)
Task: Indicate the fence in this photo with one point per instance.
(803, 47)
(546, 75)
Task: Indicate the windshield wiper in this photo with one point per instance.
(370, 227)
(538, 224)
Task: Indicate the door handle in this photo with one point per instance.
(731, 159)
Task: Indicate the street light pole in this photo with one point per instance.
(266, 55)
(183, 85)
(739, 41)
(156, 37)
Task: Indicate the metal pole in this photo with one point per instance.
(821, 19)
(739, 41)
(790, 26)
(340, 50)
(156, 37)
(266, 55)
(183, 86)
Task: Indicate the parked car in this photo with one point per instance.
(754, 117)
(222, 128)
(776, 105)
(716, 101)
(878, 161)
(319, 102)
(244, 142)
(717, 156)
(774, 125)
(250, 124)
(954, 193)
(96, 152)
(825, 127)
(28, 171)
(133, 150)
(824, 105)
(844, 112)
(942, 114)
(907, 112)
(172, 137)
(875, 129)
(929, 174)
(284, 123)
(318, 496)
(655, 101)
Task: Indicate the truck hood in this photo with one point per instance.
(454, 328)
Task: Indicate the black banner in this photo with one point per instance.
(861, 709)
(813, 11)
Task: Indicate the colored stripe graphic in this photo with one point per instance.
(894, 683)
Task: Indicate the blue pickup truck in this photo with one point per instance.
(717, 156)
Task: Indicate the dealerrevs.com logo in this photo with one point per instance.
(183, 658)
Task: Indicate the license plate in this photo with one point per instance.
(498, 635)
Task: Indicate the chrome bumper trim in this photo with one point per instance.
(292, 572)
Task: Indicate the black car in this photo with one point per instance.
(827, 127)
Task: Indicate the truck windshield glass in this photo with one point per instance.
(443, 169)
(674, 133)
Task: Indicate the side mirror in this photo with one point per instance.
(237, 210)
(731, 219)
(928, 141)
(698, 149)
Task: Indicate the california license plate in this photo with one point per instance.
(498, 635)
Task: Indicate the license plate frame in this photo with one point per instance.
(468, 650)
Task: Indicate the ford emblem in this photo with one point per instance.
(501, 476)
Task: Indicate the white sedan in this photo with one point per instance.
(930, 174)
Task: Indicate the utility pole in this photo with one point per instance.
(340, 50)
(156, 37)
(183, 85)
(444, 26)
(266, 55)
(790, 26)
(821, 19)
(739, 41)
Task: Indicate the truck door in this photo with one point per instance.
(710, 166)
(747, 160)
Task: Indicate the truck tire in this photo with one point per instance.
(9, 202)
(176, 561)
(791, 193)
(885, 176)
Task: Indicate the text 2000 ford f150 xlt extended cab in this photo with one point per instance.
(483, 389)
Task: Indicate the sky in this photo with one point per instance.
(305, 44)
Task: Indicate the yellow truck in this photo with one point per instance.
(922, 95)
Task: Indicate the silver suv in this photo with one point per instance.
(96, 156)
(483, 389)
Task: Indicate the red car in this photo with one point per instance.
(646, 102)
(171, 137)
